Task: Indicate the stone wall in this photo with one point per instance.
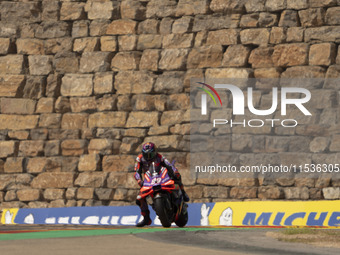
(84, 83)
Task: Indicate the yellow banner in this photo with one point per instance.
(276, 213)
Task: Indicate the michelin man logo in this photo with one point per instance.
(8, 217)
(226, 217)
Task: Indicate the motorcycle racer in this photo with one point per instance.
(150, 156)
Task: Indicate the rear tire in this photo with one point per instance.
(161, 211)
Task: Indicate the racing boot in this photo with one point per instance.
(185, 196)
(146, 220)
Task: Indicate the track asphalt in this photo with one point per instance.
(83, 240)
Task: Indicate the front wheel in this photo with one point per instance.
(182, 219)
(162, 212)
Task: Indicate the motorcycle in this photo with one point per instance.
(166, 196)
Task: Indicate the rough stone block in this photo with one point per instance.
(91, 179)
(80, 28)
(31, 148)
(40, 64)
(129, 145)
(54, 194)
(73, 147)
(14, 165)
(332, 16)
(304, 72)
(254, 6)
(45, 105)
(290, 54)
(18, 135)
(29, 194)
(117, 163)
(102, 9)
(267, 19)
(205, 56)
(182, 25)
(165, 26)
(27, 11)
(104, 194)
(53, 29)
(148, 26)
(12, 64)
(34, 88)
(312, 17)
(323, 34)
(9, 85)
(17, 122)
(77, 85)
(276, 5)
(216, 73)
(170, 82)
(289, 18)
(72, 11)
(17, 106)
(107, 119)
(66, 62)
(132, 9)
(178, 41)
(95, 62)
(83, 104)
(53, 85)
(335, 143)
(50, 120)
(256, 36)
(227, 5)
(236, 56)
(161, 8)
(100, 146)
(103, 83)
(54, 46)
(62, 105)
(243, 192)
(8, 149)
(106, 103)
(5, 46)
(74, 121)
(89, 162)
(297, 5)
(295, 34)
(85, 193)
(249, 20)
(142, 119)
(173, 59)
(192, 7)
(149, 60)
(170, 118)
(122, 27)
(108, 43)
(149, 41)
(36, 165)
(278, 35)
(135, 82)
(269, 192)
(322, 3)
(127, 42)
(171, 142)
(331, 193)
(123, 61)
(87, 44)
(322, 54)
(222, 37)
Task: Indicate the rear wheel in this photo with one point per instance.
(162, 211)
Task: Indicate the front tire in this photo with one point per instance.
(182, 219)
(162, 211)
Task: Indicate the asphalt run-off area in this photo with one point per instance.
(54, 240)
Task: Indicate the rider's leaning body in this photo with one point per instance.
(150, 156)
